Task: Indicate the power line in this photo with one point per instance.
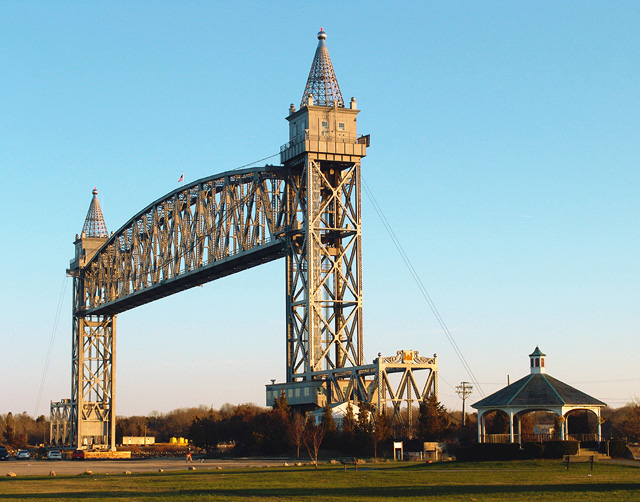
(420, 285)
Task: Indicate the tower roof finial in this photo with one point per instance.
(322, 83)
(94, 225)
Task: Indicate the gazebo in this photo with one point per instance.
(536, 392)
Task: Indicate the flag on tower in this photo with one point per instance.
(181, 178)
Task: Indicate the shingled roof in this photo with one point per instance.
(538, 390)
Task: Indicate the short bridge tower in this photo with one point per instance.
(92, 406)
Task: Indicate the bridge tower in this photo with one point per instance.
(92, 411)
(323, 241)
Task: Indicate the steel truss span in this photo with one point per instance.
(203, 231)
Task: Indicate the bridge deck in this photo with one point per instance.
(220, 268)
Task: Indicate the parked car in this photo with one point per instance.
(4, 454)
(54, 455)
(77, 455)
(23, 455)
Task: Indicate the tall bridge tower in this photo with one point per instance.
(323, 242)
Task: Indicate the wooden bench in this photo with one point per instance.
(348, 461)
(572, 459)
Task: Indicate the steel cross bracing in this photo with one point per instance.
(324, 300)
(92, 414)
(206, 230)
(60, 420)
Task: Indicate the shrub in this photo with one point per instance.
(489, 451)
(618, 448)
(533, 450)
(558, 449)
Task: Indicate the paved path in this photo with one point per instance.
(44, 467)
(622, 461)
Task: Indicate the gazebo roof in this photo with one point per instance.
(537, 390)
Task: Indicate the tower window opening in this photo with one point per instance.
(537, 362)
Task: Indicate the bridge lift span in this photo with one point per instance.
(307, 210)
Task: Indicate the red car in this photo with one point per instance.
(77, 455)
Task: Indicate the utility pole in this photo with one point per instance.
(464, 391)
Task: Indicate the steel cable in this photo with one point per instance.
(420, 285)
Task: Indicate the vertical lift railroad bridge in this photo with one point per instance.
(306, 210)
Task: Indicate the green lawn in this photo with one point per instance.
(487, 481)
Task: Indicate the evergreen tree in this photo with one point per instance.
(381, 432)
(348, 431)
(433, 420)
(281, 404)
(330, 428)
(364, 429)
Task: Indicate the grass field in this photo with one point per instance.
(487, 481)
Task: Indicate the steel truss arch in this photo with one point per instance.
(205, 230)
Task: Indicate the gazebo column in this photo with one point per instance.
(480, 427)
(519, 419)
(562, 428)
(599, 427)
(511, 427)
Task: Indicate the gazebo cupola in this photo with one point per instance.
(536, 359)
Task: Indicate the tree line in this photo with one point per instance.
(281, 430)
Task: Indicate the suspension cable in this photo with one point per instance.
(420, 285)
(54, 330)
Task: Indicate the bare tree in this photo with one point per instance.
(312, 439)
(296, 431)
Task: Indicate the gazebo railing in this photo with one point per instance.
(497, 438)
(584, 438)
(538, 438)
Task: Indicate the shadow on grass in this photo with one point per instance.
(346, 493)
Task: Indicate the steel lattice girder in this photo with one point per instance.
(206, 230)
(324, 299)
(92, 379)
(373, 384)
(60, 423)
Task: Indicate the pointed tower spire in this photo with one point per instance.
(322, 83)
(94, 225)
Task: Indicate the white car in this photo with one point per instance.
(54, 455)
(23, 455)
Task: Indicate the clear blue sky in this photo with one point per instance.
(504, 151)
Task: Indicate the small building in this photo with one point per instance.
(143, 440)
(536, 392)
(338, 412)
